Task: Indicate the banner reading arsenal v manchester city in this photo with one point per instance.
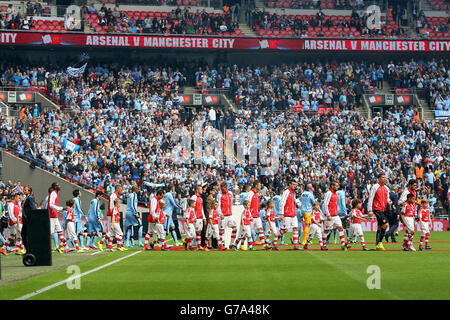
(230, 43)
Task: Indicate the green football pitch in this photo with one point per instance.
(249, 275)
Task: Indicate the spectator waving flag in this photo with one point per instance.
(70, 145)
(75, 72)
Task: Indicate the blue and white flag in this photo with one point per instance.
(75, 72)
(70, 145)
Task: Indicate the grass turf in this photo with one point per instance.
(248, 275)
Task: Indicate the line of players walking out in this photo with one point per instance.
(280, 217)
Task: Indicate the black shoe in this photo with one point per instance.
(386, 239)
(275, 248)
(405, 249)
(163, 249)
(152, 246)
(427, 248)
(421, 249)
(364, 249)
(393, 239)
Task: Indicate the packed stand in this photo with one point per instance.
(317, 4)
(430, 79)
(321, 25)
(178, 21)
(123, 132)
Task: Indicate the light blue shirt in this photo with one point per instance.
(342, 209)
(132, 204)
(306, 200)
(170, 203)
(78, 211)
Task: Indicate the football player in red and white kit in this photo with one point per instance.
(159, 225)
(356, 218)
(407, 216)
(200, 217)
(55, 227)
(425, 222)
(257, 226)
(245, 231)
(332, 219)
(189, 225)
(14, 226)
(315, 229)
(114, 228)
(287, 212)
(115, 195)
(70, 225)
(153, 210)
(271, 228)
(213, 226)
(224, 207)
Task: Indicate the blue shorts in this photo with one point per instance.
(94, 226)
(169, 224)
(78, 226)
(131, 220)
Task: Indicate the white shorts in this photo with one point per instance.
(189, 230)
(408, 222)
(289, 222)
(356, 230)
(116, 231)
(256, 224)
(425, 227)
(55, 226)
(335, 222)
(245, 232)
(228, 222)
(198, 225)
(70, 230)
(151, 228)
(315, 231)
(271, 228)
(14, 230)
(160, 232)
(212, 231)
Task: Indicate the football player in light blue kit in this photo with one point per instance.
(77, 215)
(169, 209)
(95, 227)
(276, 200)
(306, 206)
(133, 218)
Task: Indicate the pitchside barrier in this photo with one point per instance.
(39, 248)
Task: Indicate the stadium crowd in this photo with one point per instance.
(177, 21)
(113, 106)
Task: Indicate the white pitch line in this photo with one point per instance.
(95, 253)
(57, 284)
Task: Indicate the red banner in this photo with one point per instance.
(198, 42)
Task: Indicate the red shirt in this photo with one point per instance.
(150, 217)
(69, 216)
(17, 214)
(356, 214)
(316, 216)
(408, 210)
(289, 207)
(424, 215)
(247, 217)
(191, 215)
(254, 204)
(333, 204)
(160, 216)
(199, 207)
(214, 216)
(115, 215)
(110, 202)
(271, 215)
(53, 212)
(225, 204)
